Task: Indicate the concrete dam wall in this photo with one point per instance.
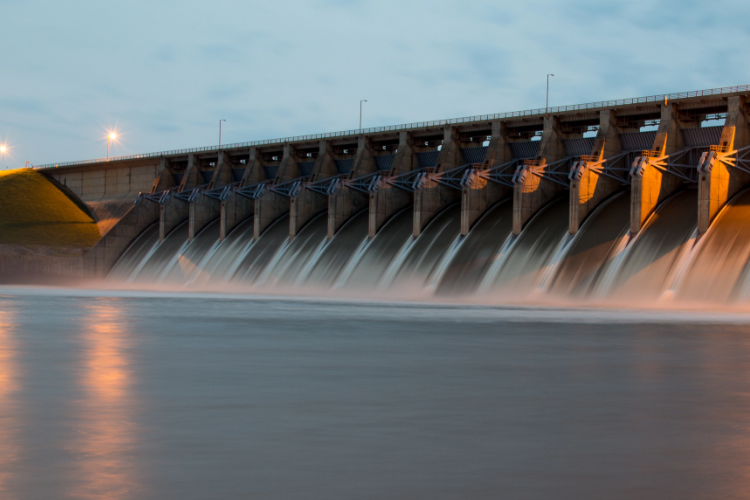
(627, 200)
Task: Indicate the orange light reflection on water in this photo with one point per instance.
(9, 446)
(106, 428)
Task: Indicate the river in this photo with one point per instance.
(112, 394)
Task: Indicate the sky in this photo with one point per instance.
(163, 73)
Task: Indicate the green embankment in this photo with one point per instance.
(33, 211)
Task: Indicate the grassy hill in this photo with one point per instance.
(35, 212)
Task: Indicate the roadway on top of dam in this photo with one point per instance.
(531, 113)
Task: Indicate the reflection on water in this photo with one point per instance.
(9, 385)
(105, 435)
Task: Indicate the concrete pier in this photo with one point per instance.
(171, 214)
(478, 195)
(388, 200)
(192, 176)
(223, 171)
(236, 208)
(232, 211)
(432, 197)
(588, 186)
(531, 191)
(652, 185)
(718, 179)
(273, 205)
(347, 201)
(203, 211)
(164, 177)
(307, 204)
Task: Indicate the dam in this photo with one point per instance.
(636, 201)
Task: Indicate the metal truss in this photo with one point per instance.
(162, 197)
(615, 167)
(409, 181)
(684, 164)
(501, 174)
(738, 158)
(289, 189)
(220, 193)
(451, 178)
(557, 171)
(253, 191)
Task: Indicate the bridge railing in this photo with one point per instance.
(418, 125)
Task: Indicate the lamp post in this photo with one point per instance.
(360, 113)
(546, 106)
(110, 137)
(222, 120)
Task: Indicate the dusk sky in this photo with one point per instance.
(163, 73)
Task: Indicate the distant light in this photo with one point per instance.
(112, 135)
(3, 149)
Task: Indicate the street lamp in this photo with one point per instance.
(360, 113)
(546, 107)
(110, 137)
(222, 120)
(3, 151)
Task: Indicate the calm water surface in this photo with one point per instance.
(107, 395)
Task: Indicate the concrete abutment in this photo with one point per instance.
(102, 256)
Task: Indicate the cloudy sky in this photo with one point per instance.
(163, 72)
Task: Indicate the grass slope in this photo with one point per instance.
(33, 211)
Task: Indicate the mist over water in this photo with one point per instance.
(665, 265)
